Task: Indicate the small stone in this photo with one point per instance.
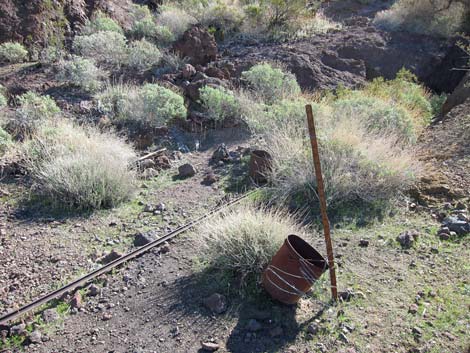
(210, 346)
(160, 207)
(107, 316)
(312, 329)
(444, 230)
(188, 71)
(186, 171)
(220, 154)
(76, 301)
(343, 337)
(416, 331)
(463, 217)
(347, 295)
(149, 208)
(50, 315)
(210, 179)
(456, 225)
(18, 330)
(217, 303)
(435, 250)
(253, 325)
(149, 173)
(444, 236)
(165, 248)
(364, 243)
(413, 309)
(113, 255)
(407, 238)
(141, 239)
(93, 290)
(35, 337)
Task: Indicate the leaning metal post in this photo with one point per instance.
(321, 196)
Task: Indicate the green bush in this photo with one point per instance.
(271, 84)
(33, 111)
(108, 48)
(243, 240)
(150, 106)
(13, 52)
(81, 73)
(143, 55)
(101, 23)
(377, 115)
(5, 141)
(76, 167)
(220, 103)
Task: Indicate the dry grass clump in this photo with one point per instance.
(175, 19)
(77, 167)
(434, 17)
(243, 240)
(357, 165)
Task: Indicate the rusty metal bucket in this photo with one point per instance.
(260, 166)
(293, 270)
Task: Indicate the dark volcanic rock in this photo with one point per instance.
(198, 45)
(142, 239)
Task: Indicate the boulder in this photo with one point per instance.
(186, 171)
(459, 96)
(198, 45)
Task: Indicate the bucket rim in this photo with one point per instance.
(318, 257)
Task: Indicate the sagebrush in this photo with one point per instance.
(78, 168)
(13, 52)
(82, 73)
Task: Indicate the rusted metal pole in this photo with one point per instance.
(321, 196)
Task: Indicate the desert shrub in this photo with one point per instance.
(243, 240)
(143, 55)
(271, 83)
(80, 168)
(377, 115)
(81, 72)
(151, 105)
(357, 165)
(51, 54)
(33, 111)
(220, 103)
(435, 17)
(176, 20)
(13, 52)
(5, 141)
(222, 17)
(104, 47)
(101, 23)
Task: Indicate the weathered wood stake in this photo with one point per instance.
(321, 196)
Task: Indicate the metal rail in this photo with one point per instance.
(80, 282)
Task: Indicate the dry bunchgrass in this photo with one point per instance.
(244, 239)
(357, 165)
(78, 167)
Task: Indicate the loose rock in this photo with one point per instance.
(50, 315)
(364, 243)
(76, 301)
(217, 303)
(141, 239)
(186, 171)
(113, 255)
(407, 238)
(210, 346)
(35, 337)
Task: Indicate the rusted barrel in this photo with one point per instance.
(293, 270)
(260, 165)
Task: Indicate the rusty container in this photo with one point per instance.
(260, 166)
(293, 270)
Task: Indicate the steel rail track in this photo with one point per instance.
(80, 282)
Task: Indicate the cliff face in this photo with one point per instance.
(49, 22)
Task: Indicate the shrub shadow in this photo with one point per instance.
(277, 324)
